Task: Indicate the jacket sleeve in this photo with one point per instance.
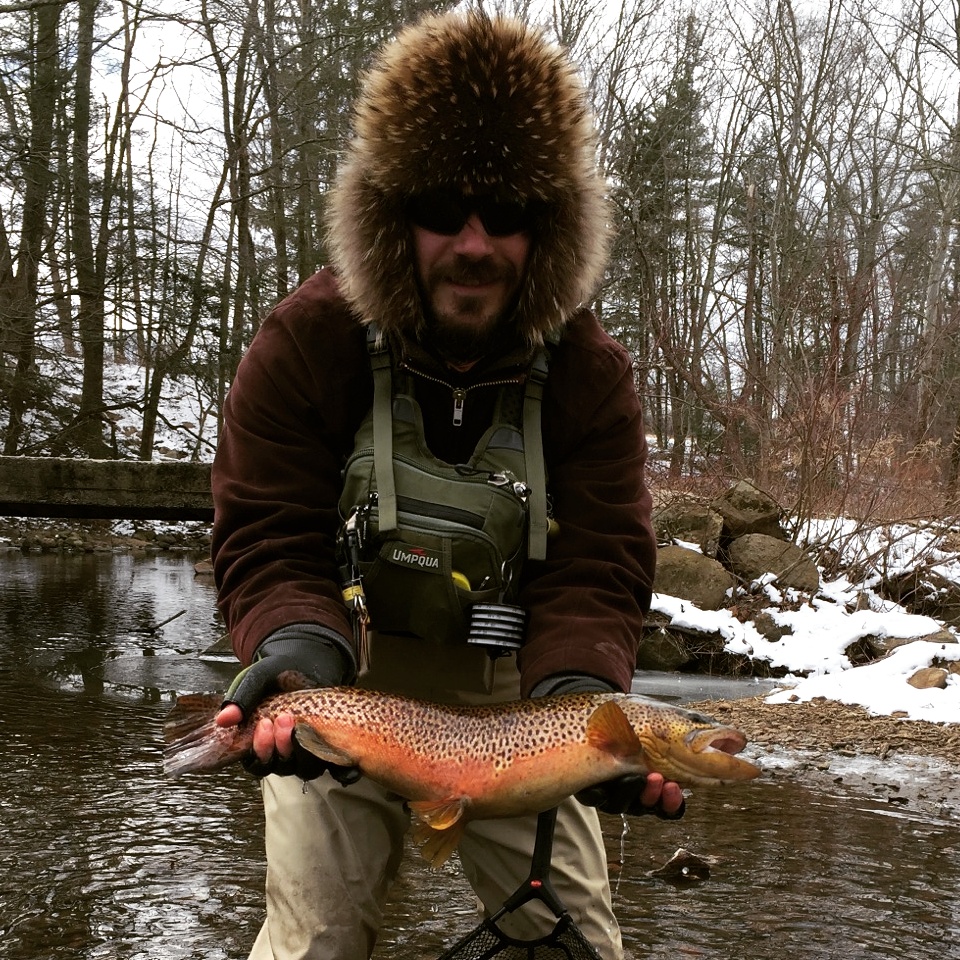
(277, 472)
(588, 599)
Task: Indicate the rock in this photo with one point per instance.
(756, 554)
(661, 649)
(747, 509)
(684, 866)
(865, 650)
(887, 644)
(929, 678)
(689, 519)
(769, 629)
(691, 576)
(926, 592)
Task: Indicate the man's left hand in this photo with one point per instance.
(636, 794)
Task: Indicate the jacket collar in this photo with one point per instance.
(512, 362)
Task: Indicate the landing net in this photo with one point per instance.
(565, 942)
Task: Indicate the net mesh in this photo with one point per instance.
(566, 942)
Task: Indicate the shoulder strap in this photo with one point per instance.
(382, 428)
(536, 470)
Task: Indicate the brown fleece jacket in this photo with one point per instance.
(289, 421)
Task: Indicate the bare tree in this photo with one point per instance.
(19, 271)
(785, 180)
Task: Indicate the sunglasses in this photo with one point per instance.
(446, 212)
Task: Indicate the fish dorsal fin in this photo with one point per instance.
(439, 814)
(608, 729)
(310, 740)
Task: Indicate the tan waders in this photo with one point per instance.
(333, 851)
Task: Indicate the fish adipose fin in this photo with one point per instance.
(440, 829)
(310, 740)
(608, 729)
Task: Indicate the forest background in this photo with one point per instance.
(786, 180)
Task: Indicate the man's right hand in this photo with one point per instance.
(312, 655)
(268, 736)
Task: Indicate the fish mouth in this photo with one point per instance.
(723, 740)
(704, 758)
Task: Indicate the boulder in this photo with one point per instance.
(747, 509)
(887, 644)
(756, 554)
(929, 678)
(689, 519)
(691, 576)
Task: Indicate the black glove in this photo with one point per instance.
(322, 658)
(622, 794)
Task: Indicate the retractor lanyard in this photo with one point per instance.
(536, 473)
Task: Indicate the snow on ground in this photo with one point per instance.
(824, 627)
(186, 427)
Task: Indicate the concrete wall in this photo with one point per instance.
(118, 489)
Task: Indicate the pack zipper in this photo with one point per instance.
(460, 393)
(436, 511)
(416, 507)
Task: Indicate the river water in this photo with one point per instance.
(103, 857)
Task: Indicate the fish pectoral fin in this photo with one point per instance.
(608, 729)
(439, 814)
(310, 740)
(436, 846)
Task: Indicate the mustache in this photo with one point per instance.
(469, 271)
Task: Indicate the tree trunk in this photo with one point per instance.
(18, 302)
(87, 430)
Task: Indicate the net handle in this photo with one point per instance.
(537, 886)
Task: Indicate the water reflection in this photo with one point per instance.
(101, 857)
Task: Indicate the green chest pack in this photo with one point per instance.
(432, 549)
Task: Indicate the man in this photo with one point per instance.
(468, 222)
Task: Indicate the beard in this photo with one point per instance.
(459, 342)
(463, 328)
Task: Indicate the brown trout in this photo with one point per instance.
(458, 763)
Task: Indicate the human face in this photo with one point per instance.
(470, 282)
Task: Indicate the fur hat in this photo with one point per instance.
(479, 105)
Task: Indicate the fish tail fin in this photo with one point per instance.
(436, 846)
(195, 742)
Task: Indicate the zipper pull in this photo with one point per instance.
(520, 490)
(459, 395)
